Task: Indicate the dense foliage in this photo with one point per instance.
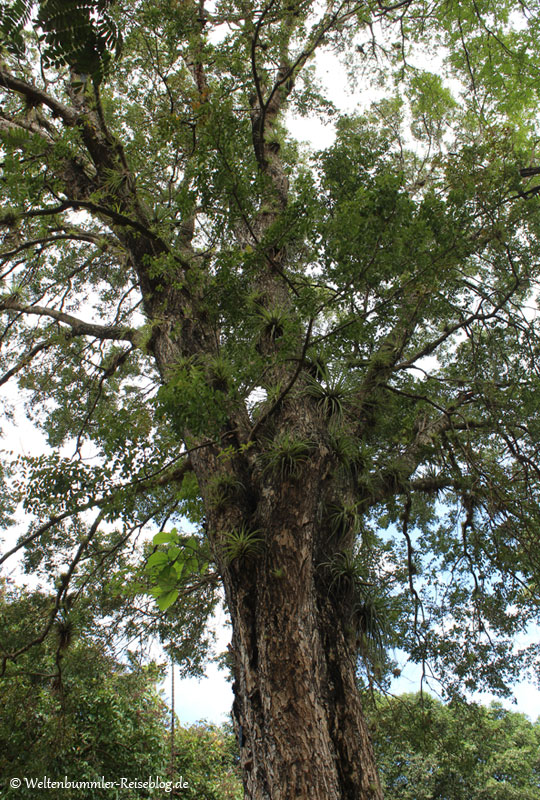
(208, 757)
(72, 709)
(430, 751)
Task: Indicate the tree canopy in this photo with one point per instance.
(326, 361)
(460, 751)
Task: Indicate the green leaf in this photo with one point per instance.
(165, 536)
(166, 600)
(167, 578)
(156, 560)
(178, 567)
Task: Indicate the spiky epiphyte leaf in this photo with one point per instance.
(241, 543)
(286, 454)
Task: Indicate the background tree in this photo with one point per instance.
(327, 361)
(207, 757)
(71, 707)
(427, 750)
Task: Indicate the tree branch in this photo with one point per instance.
(163, 477)
(36, 96)
(61, 593)
(47, 241)
(78, 326)
(25, 360)
(287, 388)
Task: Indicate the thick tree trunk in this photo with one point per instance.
(298, 714)
(297, 710)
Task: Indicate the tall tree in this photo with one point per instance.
(328, 361)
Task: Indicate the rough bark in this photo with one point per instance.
(297, 710)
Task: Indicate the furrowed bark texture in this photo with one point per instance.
(296, 710)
